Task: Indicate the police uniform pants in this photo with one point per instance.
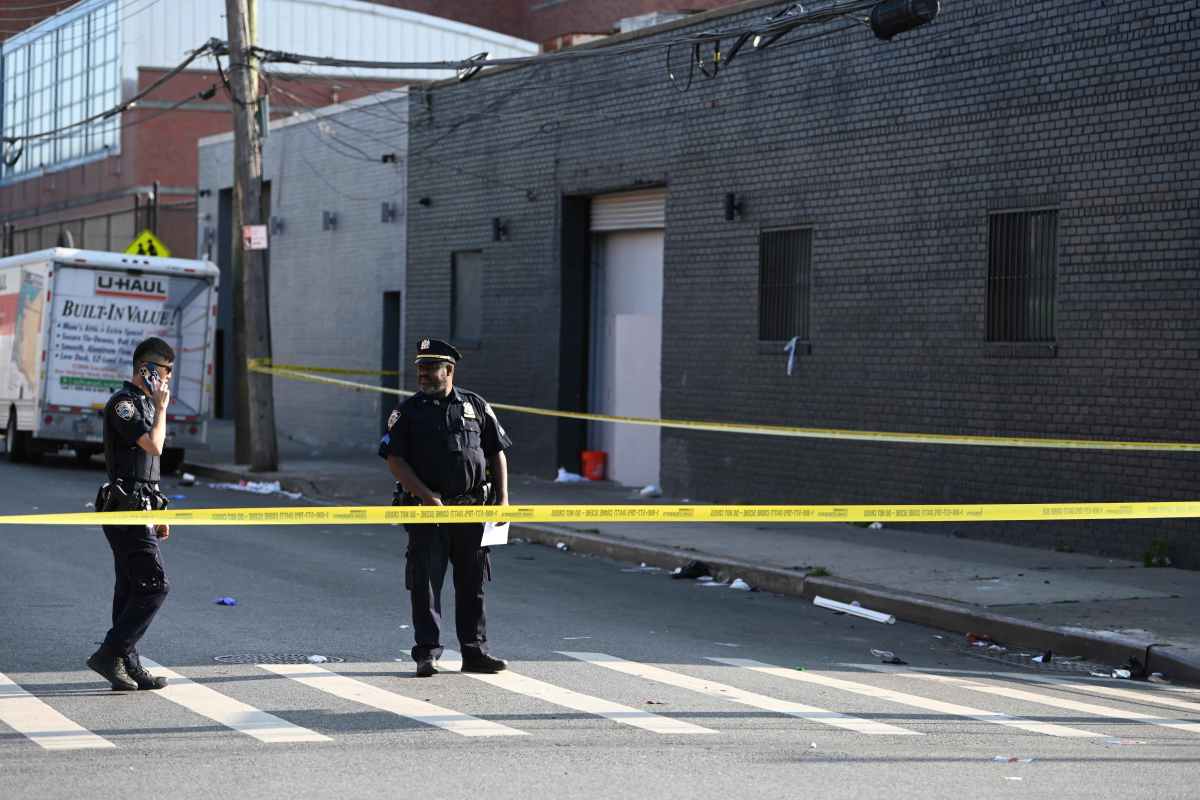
(430, 549)
(141, 585)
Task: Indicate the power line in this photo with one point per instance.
(120, 107)
(764, 32)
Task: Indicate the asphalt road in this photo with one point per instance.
(613, 690)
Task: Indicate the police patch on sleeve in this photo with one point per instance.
(125, 409)
(487, 407)
(395, 415)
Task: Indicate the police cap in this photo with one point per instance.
(437, 350)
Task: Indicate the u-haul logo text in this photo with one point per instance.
(142, 287)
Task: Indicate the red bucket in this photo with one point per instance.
(593, 464)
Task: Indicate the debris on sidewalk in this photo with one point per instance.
(317, 659)
(727, 644)
(568, 477)
(257, 487)
(225, 601)
(887, 657)
(876, 526)
(1012, 760)
(655, 703)
(741, 585)
(650, 490)
(1044, 658)
(711, 582)
(856, 610)
(187, 479)
(1136, 668)
(694, 569)
(642, 568)
(1124, 674)
(1122, 742)
(1157, 677)
(562, 546)
(979, 640)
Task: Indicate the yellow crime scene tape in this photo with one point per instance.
(320, 375)
(392, 515)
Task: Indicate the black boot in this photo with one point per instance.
(425, 668)
(482, 662)
(112, 669)
(143, 679)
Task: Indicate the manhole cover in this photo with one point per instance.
(279, 658)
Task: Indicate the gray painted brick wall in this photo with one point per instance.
(327, 287)
(895, 153)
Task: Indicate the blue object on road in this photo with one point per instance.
(225, 601)
(177, 497)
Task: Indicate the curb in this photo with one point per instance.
(1180, 664)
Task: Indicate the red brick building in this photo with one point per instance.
(99, 184)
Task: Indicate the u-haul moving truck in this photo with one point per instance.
(69, 322)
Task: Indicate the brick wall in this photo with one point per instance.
(895, 153)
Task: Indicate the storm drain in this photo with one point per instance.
(278, 658)
(1062, 665)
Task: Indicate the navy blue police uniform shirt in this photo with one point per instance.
(446, 440)
(128, 415)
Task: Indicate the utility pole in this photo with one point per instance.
(255, 423)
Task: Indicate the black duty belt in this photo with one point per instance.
(480, 497)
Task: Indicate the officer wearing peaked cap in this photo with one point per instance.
(444, 446)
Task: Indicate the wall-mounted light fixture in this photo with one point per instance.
(387, 212)
(277, 226)
(733, 206)
(499, 230)
(389, 158)
(897, 16)
(329, 220)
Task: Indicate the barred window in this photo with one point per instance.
(466, 313)
(784, 284)
(1022, 272)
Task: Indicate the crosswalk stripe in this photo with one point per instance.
(46, 727)
(1161, 698)
(1054, 702)
(556, 695)
(359, 692)
(906, 699)
(231, 713)
(753, 699)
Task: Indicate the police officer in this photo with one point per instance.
(135, 430)
(445, 446)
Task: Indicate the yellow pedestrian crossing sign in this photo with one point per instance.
(147, 244)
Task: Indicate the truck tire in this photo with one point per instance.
(172, 460)
(15, 441)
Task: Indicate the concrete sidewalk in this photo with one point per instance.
(1104, 610)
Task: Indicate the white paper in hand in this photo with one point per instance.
(494, 533)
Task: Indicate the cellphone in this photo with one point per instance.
(151, 377)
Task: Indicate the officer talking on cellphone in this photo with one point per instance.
(135, 430)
